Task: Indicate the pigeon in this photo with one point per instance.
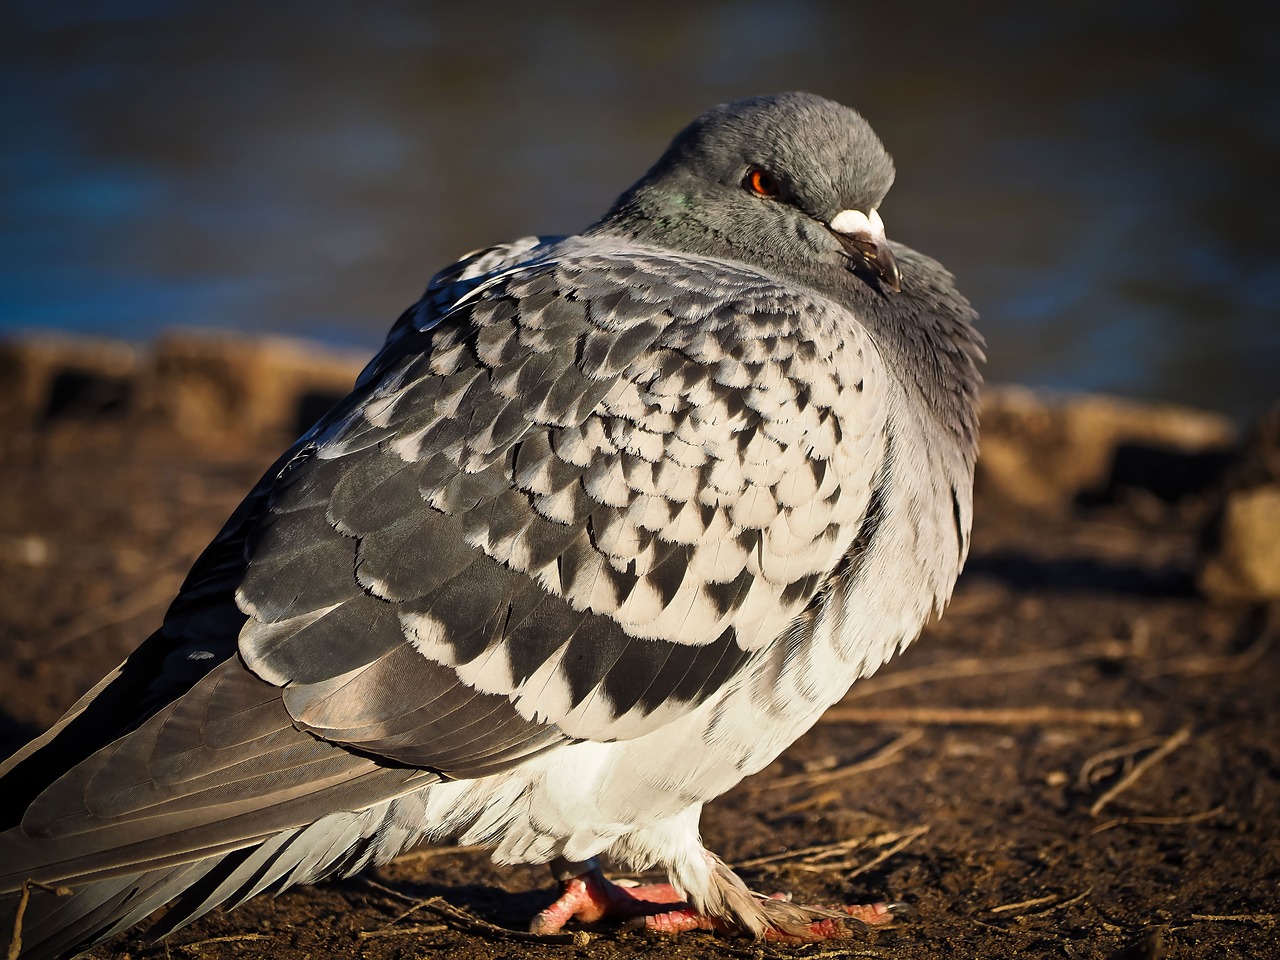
(607, 524)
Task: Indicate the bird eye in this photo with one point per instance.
(761, 182)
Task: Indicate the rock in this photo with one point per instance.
(213, 385)
(1245, 564)
(1042, 450)
(1260, 458)
(237, 385)
(1241, 559)
(47, 376)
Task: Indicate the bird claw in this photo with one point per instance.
(857, 918)
(837, 921)
(591, 897)
(658, 908)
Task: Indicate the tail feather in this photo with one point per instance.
(233, 878)
(341, 843)
(109, 814)
(220, 828)
(54, 925)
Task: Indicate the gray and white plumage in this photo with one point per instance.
(680, 479)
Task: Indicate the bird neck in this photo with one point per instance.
(668, 217)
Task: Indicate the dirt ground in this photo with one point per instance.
(1080, 760)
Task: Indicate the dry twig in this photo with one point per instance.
(156, 592)
(989, 666)
(1263, 918)
(1049, 903)
(230, 938)
(389, 891)
(1141, 767)
(442, 908)
(907, 838)
(995, 717)
(15, 939)
(460, 918)
(1091, 770)
(815, 852)
(402, 931)
(881, 758)
(431, 852)
(1171, 821)
(1008, 907)
(1201, 665)
(817, 858)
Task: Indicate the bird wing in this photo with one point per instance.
(573, 507)
(607, 482)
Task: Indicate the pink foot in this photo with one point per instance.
(656, 907)
(686, 918)
(590, 897)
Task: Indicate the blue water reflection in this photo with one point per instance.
(1102, 177)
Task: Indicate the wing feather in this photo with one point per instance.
(616, 464)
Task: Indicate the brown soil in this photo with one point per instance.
(1080, 760)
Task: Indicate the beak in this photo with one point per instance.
(862, 236)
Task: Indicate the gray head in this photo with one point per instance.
(788, 180)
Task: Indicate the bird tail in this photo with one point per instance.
(213, 797)
(44, 921)
(49, 920)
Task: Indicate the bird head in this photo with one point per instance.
(792, 178)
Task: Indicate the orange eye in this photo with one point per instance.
(761, 183)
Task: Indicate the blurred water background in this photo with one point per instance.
(1102, 177)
